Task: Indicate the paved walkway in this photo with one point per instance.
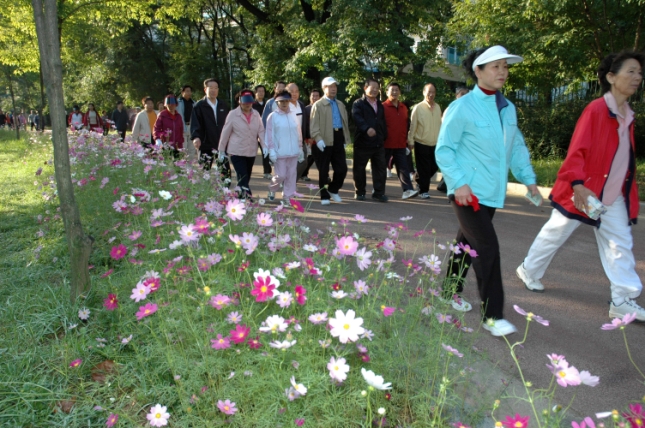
(575, 300)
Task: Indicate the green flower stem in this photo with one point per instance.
(629, 354)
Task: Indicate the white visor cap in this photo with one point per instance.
(328, 81)
(496, 53)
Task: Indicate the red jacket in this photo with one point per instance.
(589, 158)
(398, 125)
(169, 128)
(86, 120)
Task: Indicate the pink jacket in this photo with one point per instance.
(169, 129)
(239, 137)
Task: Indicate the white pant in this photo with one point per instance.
(614, 238)
(188, 145)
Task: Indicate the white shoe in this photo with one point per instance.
(499, 327)
(335, 197)
(325, 202)
(267, 176)
(389, 173)
(424, 195)
(271, 195)
(627, 307)
(458, 304)
(530, 283)
(410, 194)
(411, 177)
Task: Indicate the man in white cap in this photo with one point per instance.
(329, 129)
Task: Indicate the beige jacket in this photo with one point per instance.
(424, 124)
(320, 125)
(142, 126)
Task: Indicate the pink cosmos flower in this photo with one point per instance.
(147, 310)
(284, 299)
(347, 246)
(452, 350)
(135, 235)
(389, 244)
(516, 422)
(468, 250)
(530, 316)
(235, 209)
(188, 234)
(240, 333)
(226, 407)
(76, 363)
(299, 422)
(387, 311)
(255, 343)
(587, 379)
(263, 288)
(586, 423)
(249, 242)
(234, 317)
(318, 318)
(363, 258)
(566, 375)
(119, 252)
(296, 205)
(152, 283)
(220, 342)
(300, 294)
(618, 323)
(203, 265)
(220, 301)
(112, 420)
(264, 220)
(361, 219)
(108, 273)
(140, 292)
(111, 302)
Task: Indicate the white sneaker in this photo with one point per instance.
(627, 307)
(424, 195)
(325, 202)
(389, 173)
(459, 304)
(271, 195)
(335, 197)
(530, 283)
(268, 176)
(499, 327)
(410, 194)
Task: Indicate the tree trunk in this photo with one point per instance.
(41, 114)
(16, 120)
(78, 244)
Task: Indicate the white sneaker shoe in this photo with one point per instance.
(424, 195)
(325, 202)
(271, 195)
(530, 283)
(627, 307)
(267, 176)
(335, 197)
(410, 194)
(499, 327)
(389, 173)
(458, 303)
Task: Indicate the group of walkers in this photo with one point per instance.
(474, 144)
(19, 120)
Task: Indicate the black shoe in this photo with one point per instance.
(359, 197)
(380, 198)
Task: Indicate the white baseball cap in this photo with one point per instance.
(495, 53)
(328, 81)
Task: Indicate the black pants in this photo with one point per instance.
(426, 165)
(206, 158)
(266, 163)
(121, 134)
(334, 155)
(476, 229)
(308, 162)
(375, 155)
(398, 158)
(243, 168)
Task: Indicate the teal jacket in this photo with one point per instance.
(478, 142)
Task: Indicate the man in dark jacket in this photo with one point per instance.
(120, 119)
(314, 96)
(369, 142)
(206, 123)
(258, 105)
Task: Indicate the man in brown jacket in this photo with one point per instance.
(330, 130)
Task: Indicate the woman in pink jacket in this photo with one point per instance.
(242, 131)
(169, 127)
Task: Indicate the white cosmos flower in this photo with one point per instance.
(338, 369)
(165, 194)
(274, 324)
(300, 388)
(374, 380)
(340, 294)
(282, 345)
(346, 327)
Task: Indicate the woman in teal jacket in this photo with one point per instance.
(479, 142)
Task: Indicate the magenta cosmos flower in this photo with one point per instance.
(296, 205)
(516, 422)
(235, 210)
(144, 311)
(387, 311)
(347, 246)
(240, 333)
(227, 407)
(111, 302)
(220, 342)
(119, 252)
(76, 363)
(263, 288)
(635, 415)
(300, 294)
(112, 419)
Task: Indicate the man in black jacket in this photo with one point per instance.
(369, 140)
(120, 119)
(314, 96)
(206, 123)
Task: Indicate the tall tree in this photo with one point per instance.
(78, 243)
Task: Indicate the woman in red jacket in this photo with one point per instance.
(169, 127)
(600, 163)
(92, 120)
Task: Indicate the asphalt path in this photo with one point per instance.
(575, 300)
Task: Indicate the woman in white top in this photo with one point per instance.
(284, 140)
